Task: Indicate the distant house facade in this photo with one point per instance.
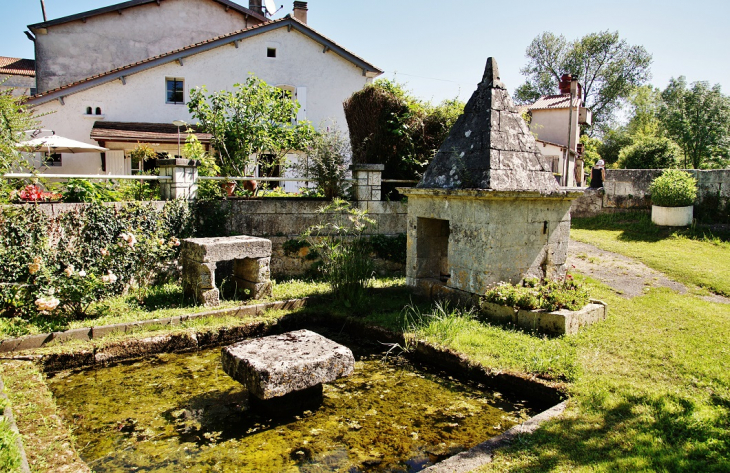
(17, 74)
(137, 102)
(558, 130)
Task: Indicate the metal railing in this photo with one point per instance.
(141, 177)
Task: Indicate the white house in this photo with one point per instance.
(556, 122)
(138, 102)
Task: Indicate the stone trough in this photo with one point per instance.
(251, 258)
(286, 372)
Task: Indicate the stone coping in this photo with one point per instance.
(32, 342)
(562, 194)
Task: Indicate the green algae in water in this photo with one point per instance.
(181, 411)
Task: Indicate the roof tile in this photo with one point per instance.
(17, 66)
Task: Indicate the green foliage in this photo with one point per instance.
(649, 152)
(207, 166)
(15, 118)
(614, 141)
(326, 163)
(674, 188)
(606, 66)
(391, 248)
(591, 153)
(253, 118)
(61, 266)
(346, 262)
(9, 454)
(533, 294)
(697, 118)
(391, 127)
(85, 190)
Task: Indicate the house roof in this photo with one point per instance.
(179, 54)
(545, 142)
(548, 102)
(131, 4)
(17, 66)
(129, 131)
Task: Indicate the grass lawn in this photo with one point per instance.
(692, 256)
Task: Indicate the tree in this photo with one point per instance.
(649, 152)
(254, 118)
(607, 67)
(326, 162)
(697, 118)
(391, 127)
(15, 119)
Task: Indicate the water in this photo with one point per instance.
(181, 411)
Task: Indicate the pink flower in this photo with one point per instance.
(104, 252)
(47, 304)
(69, 271)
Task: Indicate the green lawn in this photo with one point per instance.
(693, 256)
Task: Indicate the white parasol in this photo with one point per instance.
(57, 144)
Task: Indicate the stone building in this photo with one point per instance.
(488, 208)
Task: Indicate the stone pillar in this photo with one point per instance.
(367, 181)
(253, 275)
(184, 182)
(199, 281)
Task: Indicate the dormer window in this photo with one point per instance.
(270, 52)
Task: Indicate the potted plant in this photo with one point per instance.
(672, 196)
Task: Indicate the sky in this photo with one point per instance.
(439, 48)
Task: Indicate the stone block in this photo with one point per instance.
(255, 290)
(209, 297)
(253, 269)
(198, 275)
(31, 342)
(206, 250)
(104, 330)
(277, 365)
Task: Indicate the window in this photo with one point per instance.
(270, 52)
(53, 160)
(175, 91)
(88, 110)
(98, 110)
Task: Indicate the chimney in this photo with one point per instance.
(255, 5)
(564, 84)
(300, 11)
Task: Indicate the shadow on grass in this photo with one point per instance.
(655, 433)
(637, 226)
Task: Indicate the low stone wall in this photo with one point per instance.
(628, 189)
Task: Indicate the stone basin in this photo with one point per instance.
(277, 365)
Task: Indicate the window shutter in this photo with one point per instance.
(301, 96)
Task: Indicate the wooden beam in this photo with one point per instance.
(60, 100)
(124, 80)
(180, 61)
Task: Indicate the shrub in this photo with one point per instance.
(346, 263)
(649, 152)
(674, 188)
(326, 163)
(534, 294)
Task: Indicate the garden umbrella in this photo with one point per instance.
(57, 144)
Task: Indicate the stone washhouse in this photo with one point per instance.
(488, 208)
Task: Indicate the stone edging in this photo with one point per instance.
(8, 417)
(32, 342)
(483, 453)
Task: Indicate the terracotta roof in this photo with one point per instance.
(554, 102)
(133, 3)
(550, 143)
(17, 66)
(144, 132)
(204, 46)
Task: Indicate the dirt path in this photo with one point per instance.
(627, 276)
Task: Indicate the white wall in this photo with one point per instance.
(300, 62)
(76, 50)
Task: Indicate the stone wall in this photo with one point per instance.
(628, 189)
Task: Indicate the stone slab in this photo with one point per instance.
(280, 364)
(210, 250)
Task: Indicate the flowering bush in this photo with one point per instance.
(65, 264)
(33, 193)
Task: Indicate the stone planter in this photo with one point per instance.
(671, 216)
(560, 322)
